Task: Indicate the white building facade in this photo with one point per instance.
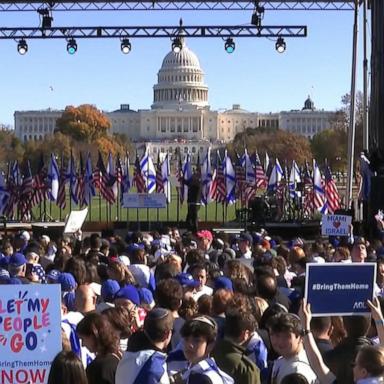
(180, 118)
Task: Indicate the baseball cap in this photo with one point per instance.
(67, 281)
(128, 292)
(204, 234)
(53, 274)
(186, 280)
(17, 260)
(146, 296)
(108, 289)
(246, 237)
(223, 282)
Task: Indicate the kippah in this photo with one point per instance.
(157, 313)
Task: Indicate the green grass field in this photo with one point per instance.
(100, 210)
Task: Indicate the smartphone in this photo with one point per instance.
(28, 270)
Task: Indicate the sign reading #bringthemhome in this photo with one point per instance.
(339, 289)
(144, 200)
(30, 332)
(335, 225)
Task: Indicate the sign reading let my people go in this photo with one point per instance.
(335, 225)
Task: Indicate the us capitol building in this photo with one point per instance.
(180, 117)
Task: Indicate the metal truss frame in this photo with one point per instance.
(152, 32)
(174, 5)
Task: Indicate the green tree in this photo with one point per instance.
(282, 144)
(11, 148)
(331, 145)
(84, 123)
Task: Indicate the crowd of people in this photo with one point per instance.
(199, 308)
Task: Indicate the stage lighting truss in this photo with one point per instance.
(162, 5)
(154, 32)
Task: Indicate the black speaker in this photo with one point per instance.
(376, 201)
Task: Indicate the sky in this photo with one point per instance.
(254, 76)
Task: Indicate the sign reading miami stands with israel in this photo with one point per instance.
(338, 289)
(30, 332)
(335, 225)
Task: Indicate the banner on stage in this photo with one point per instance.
(338, 289)
(30, 332)
(335, 225)
(75, 220)
(144, 200)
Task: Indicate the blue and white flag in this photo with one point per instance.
(365, 181)
(276, 176)
(112, 175)
(294, 179)
(72, 177)
(230, 180)
(319, 199)
(148, 171)
(53, 178)
(4, 194)
(206, 178)
(165, 174)
(126, 181)
(187, 175)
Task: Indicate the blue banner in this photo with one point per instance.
(339, 289)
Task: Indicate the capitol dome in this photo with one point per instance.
(180, 81)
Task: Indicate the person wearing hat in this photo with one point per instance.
(204, 242)
(145, 359)
(17, 267)
(188, 283)
(245, 246)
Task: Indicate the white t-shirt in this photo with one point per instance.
(204, 291)
(296, 364)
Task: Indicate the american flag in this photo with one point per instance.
(118, 170)
(26, 192)
(261, 178)
(159, 176)
(106, 181)
(63, 180)
(39, 184)
(138, 178)
(331, 192)
(220, 193)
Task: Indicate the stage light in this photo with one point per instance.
(22, 47)
(229, 45)
(280, 45)
(71, 46)
(177, 45)
(125, 46)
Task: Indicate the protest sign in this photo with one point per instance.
(335, 225)
(339, 288)
(75, 220)
(144, 200)
(30, 332)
